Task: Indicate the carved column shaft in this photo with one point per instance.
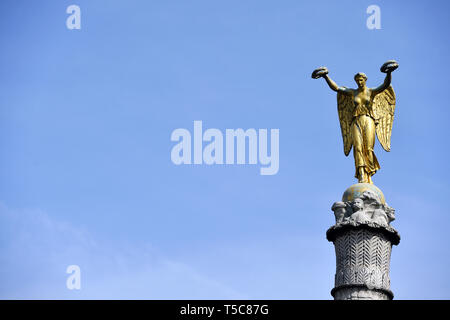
(363, 241)
(362, 264)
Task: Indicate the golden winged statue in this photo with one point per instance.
(363, 113)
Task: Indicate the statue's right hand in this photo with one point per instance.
(319, 72)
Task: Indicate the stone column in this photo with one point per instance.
(363, 240)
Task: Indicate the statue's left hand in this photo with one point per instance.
(389, 66)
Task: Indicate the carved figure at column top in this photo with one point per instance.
(366, 209)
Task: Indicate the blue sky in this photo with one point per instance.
(85, 124)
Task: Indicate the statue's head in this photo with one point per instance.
(360, 79)
(358, 204)
(339, 207)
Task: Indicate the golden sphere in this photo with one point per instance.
(356, 190)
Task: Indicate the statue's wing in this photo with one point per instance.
(383, 109)
(345, 111)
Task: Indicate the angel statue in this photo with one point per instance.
(364, 112)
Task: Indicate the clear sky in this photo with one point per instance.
(86, 117)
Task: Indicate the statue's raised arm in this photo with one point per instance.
(322, 72)
(387, 68)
